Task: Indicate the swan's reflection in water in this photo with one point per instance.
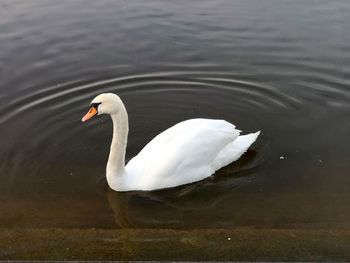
(186, 206)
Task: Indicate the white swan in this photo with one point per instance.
(185, 153)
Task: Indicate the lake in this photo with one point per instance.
(282, 67)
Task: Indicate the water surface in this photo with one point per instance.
(282, 67)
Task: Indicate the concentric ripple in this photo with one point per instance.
(51, 116)
(72, 94)
(55, 111)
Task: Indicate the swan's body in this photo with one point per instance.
(185, 153)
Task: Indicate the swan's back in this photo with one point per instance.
(182, 154)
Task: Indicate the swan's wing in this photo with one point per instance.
(181, 154)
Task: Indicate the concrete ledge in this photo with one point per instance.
(170, 244)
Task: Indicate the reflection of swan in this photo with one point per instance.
(187, 152)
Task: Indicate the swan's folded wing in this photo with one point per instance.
(181, 154)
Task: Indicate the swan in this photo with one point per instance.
(187, 152)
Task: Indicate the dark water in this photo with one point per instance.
(282, 67)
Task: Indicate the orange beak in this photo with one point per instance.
(91, 113)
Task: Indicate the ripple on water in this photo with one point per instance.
(74, 93)
(154, 101)
(170, 96)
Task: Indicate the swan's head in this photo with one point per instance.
(105, 103)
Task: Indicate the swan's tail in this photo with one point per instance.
(235, 149)
(243, 142)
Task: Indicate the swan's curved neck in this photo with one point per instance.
(116, 161)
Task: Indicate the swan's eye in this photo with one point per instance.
(95, 105)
